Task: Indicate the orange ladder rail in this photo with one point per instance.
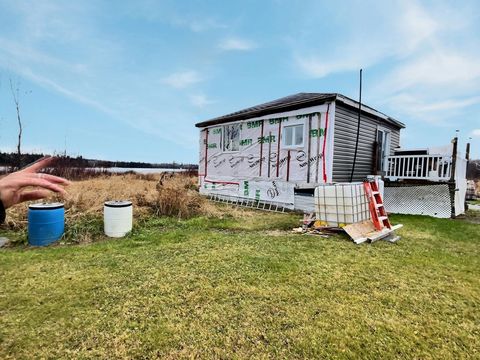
(375, 204)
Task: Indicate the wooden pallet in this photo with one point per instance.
(365, 231)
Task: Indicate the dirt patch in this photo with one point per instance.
(471, 216)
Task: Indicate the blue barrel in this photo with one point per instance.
(46, 223)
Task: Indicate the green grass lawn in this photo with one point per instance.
(246, 289)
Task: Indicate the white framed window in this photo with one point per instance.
(231, 137)
(293, 136)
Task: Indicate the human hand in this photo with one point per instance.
(13, 187)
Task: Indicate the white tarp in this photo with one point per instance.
(263, 158)
(228, 189)
(274, 191)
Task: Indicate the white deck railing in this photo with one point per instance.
(427, 167)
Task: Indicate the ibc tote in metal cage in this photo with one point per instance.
(340, 204)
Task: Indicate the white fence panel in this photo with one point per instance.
(427, 167)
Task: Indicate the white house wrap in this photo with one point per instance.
(268, 152)
(253, 159)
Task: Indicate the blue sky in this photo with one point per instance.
(127, 80)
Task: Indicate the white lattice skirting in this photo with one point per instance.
(432, 200)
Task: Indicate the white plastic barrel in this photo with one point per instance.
(117, 218)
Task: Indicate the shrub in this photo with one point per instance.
(159, 195)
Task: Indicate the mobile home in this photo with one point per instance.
(279, 150)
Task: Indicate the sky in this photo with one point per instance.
(127, 80)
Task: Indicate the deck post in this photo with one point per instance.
(452, 184)
(467, 157)
(454, 158)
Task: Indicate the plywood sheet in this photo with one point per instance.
(359, 230)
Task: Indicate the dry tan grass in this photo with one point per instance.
(169, 194)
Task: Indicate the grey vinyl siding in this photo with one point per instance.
(345, 133)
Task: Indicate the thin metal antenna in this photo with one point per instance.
(358, 127)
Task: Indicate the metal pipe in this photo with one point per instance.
(288, 165)
(309, 147)
(318, 145)
(324, 145)
(261, 149)
(206, 151)
(278, 145)
(358, 128)
(269, 152)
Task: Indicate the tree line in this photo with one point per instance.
(473, 170)
(12, 160)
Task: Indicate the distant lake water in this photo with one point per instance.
(118, 170)
(139, 170)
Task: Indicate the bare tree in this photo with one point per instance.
(16, 99)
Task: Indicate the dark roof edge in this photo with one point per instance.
(298, 105)
(353, 103)
(262, 112)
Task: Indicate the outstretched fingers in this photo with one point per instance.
(51, 178)
(43, 183)
(34, 195)
(39, 164)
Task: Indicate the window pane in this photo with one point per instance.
(288, 135)
(225, 138)
(380, 137)
(235, 137)
(231, 137)
(299, 135)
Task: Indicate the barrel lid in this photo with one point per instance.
(46, 206)
(118, 203)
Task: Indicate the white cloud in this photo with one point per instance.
(22, 54)
(402, 29)
(101, 82)
(435, 86)
(237, 44)
(169, 13)
(200, 100)
(424, 60)
(318, 68)
(440, 67)
(439, 112)
(415, 25)
(183, 79)
(415, 105)
(475, 132)
(199, 25)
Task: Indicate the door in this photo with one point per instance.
(383, 149)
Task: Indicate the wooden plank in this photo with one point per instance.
(359, 230)
(365, 231)
(377, 235)
(396, 227)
